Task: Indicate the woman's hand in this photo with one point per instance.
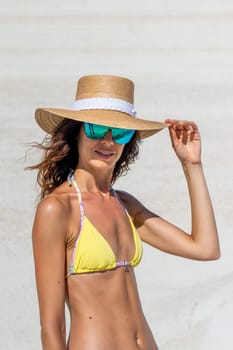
(186, 140)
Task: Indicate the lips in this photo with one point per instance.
(105, 154)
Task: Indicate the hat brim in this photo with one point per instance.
(48, 119)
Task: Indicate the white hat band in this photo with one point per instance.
(114, 104)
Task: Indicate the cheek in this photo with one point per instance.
(120, 150)
(84, 143)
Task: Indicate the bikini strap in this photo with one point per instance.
(71, 181)
(116, 195)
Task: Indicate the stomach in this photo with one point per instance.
(106, 313)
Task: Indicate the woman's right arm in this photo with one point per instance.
(48, 237)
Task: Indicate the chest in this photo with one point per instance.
(110, 219)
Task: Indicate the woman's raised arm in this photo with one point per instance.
(202, 242)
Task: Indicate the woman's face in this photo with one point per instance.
(100, 154)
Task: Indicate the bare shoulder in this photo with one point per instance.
(130, 202)
(135, 208)
(52, 216)
(52, 206)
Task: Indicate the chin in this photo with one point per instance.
(103, 164)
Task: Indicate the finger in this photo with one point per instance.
(188, 131)
(194, 133)
(173, 136)
(189, 134)
(176, 135)
(184, 122)
(171, 122)
(179, 129)
(190, 124)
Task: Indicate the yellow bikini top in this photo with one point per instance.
(92, 253)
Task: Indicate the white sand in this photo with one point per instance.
(180, 56)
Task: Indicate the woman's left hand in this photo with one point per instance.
(186, 140)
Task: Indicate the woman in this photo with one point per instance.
(87, 236)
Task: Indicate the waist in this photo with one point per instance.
(106, 311)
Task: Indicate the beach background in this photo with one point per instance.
(179, 54)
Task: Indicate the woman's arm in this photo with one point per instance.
(202, 243)
(48, 236)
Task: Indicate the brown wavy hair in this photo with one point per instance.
(60, 156)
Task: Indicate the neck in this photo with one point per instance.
(91, 183)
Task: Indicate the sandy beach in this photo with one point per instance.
(180, 56)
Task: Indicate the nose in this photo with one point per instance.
(108, 137)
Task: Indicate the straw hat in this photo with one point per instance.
(101, 99)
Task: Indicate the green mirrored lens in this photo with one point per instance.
(96, 132)
(122, 136)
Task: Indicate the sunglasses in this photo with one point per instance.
(97, 132)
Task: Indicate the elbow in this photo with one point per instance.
(217, 255)
(212, 255)
(216, 252)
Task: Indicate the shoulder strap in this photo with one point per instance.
(71, 181)
(116, 195)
